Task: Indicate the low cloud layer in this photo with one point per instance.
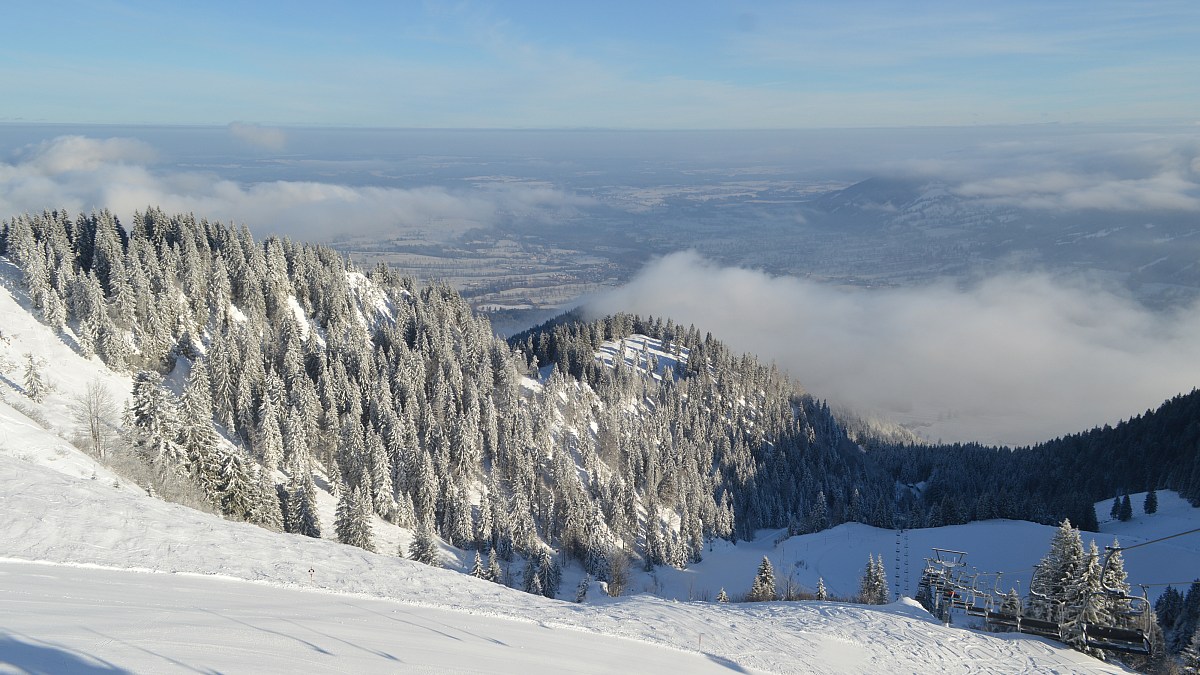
(1012, 359)
(1121, 171)
(80, 174)
(268, 138)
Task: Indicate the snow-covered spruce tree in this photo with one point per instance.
(1189, 658)
(494, 573)
(549, 574)
(1116, 579)
(265, 508)
(822, 592)
(1083, 604)
(1011, 604)
(874, 586)
(581, 590)
(207, 464)
(153, 415)
(35, 384)
(1188, 620)
(722, 596)
(353, 524)
(763, 588)
(477, 569)
(1055, 574)
(302, 503)
(1167, 609)
(423, 548)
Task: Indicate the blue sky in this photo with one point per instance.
(659, 65)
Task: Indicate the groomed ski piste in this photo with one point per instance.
(98, 577)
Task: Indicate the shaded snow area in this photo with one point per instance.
(362, 612)
(839, 555)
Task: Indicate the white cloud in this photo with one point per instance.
(80, 174)
(1068, 191)
(78, 153)
(1013, 359)
(268, 138)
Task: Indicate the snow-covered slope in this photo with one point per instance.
(839, 555)
(129, 583)
(50, 516)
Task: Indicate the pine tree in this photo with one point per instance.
(152, 414)
(423, 548)
(1116, 579)
(494, 573)
(529, 574)
(353, 523)
(1055, 573)
(1115, 511)
(1126, 509)
(723, 597)
(308, 519)
(763, 588)
(35, 386)
(1011, 604)
(1083, 604)
(822, 593)
(265, 505)
(874, 586)
(581, 590)
(477, 570)
(1189, 658)
(1188, 620)
(1168, 607)
(549, 574)
(818, 514)
(1150, 506)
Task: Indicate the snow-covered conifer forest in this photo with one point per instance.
(587, 459)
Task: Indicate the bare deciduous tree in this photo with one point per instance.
(95, 415)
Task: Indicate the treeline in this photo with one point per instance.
(1062, 478)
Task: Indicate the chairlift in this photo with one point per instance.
(946, 584)
(1120, 638)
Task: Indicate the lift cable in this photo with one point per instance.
(1152, 541)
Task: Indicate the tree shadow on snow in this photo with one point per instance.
(43, 658)
(722, 661)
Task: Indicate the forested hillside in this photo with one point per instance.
(299, 366)
(1155, 450)
(263, 369)
(929, 485)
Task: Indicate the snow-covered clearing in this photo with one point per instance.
(839, 555)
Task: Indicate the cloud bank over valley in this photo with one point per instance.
(1012, 359)
(79, 173)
